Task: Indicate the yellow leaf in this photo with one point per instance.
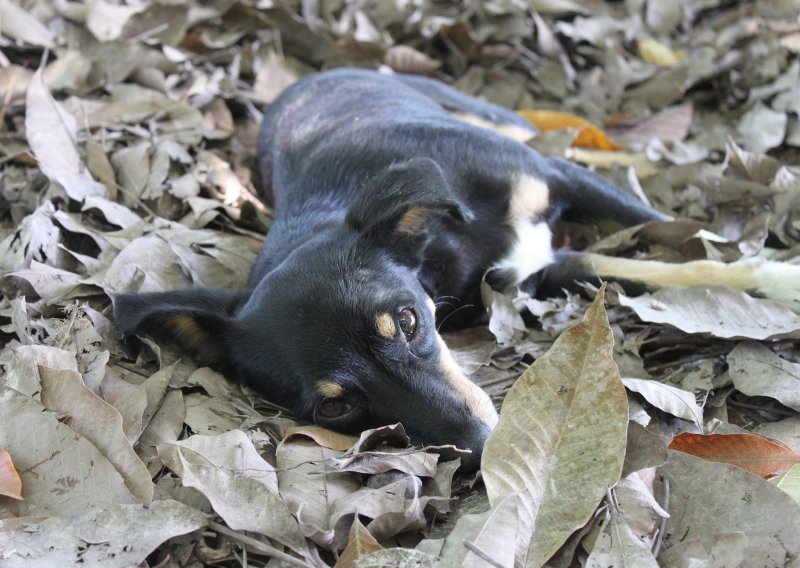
(589, 135)
(659, 54)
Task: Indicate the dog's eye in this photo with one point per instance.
(334, 408)
(407, 318)
(338, 414)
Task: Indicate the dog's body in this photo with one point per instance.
(385, 203)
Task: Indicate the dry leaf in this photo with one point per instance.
(757, 371)
(116, 536)
(10, 483)
(92, 417)
(322, 436)
(63, 473)
(662, 55)
(559, 408)
(747, 451)
(721, 312)
(52, 135)
(504, 320)
(311, 486)
(670, 399)
(494, 533)
(406, 59)
(106, 21)
(709, 498)
(790, 483)
(19, 24)
(359, 544)
(244, 503)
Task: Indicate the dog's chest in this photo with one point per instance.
(531, 238)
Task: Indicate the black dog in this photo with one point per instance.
(385, 203)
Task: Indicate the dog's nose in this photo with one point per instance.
(470, 461)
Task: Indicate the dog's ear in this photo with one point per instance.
(200, 319)
(394, 208)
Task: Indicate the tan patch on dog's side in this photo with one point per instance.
(412, 222)
(329, 389)
(512, 131)
(474, 397)
(385, 324)
(530, 197)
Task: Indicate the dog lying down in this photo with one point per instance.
(386, 200)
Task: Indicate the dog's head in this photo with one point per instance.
(341, 331)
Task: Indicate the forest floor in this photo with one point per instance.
(127, 162)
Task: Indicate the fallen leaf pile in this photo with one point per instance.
(662, 429)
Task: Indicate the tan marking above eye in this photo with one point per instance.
(329, 389)
(385, 324)
(412, 221)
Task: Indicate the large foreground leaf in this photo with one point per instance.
(561, 437)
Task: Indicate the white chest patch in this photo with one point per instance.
(533, 248)
(532, 251)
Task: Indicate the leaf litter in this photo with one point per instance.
(127, 142)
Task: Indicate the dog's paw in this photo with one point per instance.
(778, 281)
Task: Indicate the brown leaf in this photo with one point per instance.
(359, 543)
(750, 452)
(322, 436)
(10, 483)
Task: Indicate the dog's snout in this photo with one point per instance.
(472, 441)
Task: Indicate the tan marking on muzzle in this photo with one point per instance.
(474, 397)
(329, 389)
(431, 306)
(385, 324)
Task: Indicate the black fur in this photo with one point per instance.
(382, 201)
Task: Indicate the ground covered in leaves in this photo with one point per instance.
(659, 430)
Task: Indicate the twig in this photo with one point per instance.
(663, 528)
(613, 513)
(473, 548)
(256, 545)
